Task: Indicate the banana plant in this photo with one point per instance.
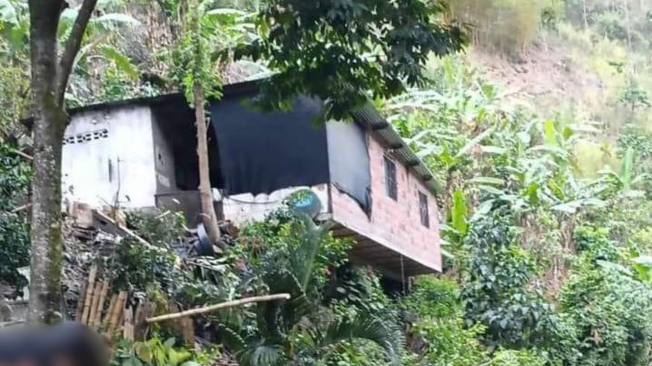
(624, 183)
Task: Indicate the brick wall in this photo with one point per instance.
(394, 224)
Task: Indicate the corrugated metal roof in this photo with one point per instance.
(370, 117)
(367, 115)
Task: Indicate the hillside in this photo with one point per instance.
(520, 166)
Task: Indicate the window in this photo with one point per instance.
(423, 209)
(390, 179)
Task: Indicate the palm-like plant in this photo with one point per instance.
(294, 331)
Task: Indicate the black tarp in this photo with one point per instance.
(263, 152)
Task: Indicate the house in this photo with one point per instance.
(141, 153)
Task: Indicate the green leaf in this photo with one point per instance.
(226, 11)
(144, 352)
(459, 212)
(491, 190)
(550, 133)
(493, 150)
(478, 139)
(627, 168)
(121, 61)
(488, 180)
(643, 267)
(169, 342)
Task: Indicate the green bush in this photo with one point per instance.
(596, 243)
(283, 238)
(449, 342)
(435, 297)
(137, 267)
(15, 175)
(160, 228)
(14, 248)
(505, 357)
(496, 286)
(606, 317)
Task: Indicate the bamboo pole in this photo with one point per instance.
(114, 317)
(109, 311)
(96, 300)
(97, 321)
(223, 305)
(89, 294)
(128, 326)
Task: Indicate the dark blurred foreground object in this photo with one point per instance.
(65, 344)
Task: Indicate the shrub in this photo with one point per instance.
(15, 175)
(595, 243)
(504, 357)
(14, 248)
(450, 343)
(496, 286)
(606, 314)
(160, 228)
(136, 267)
(435, 297)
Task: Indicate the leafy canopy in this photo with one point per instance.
(346, 51)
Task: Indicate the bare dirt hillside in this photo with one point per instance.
(544, 74)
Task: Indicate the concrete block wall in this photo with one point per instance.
(394, 224)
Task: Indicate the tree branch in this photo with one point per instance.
(72, 47)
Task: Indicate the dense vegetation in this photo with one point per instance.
(544, 210)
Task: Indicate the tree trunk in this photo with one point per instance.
(49, 125)
(48, 84)
(209, 217)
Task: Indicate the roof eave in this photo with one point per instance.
(369, 116)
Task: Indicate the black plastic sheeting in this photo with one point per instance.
(349, 161)
(263, 152)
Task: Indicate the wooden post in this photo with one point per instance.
(109, 311)
(96, 298)
(97, 320)
(144, 311)
(80, 302)
(118, 309)
(89, 294)
(128, 325)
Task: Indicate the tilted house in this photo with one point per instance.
(142, 153)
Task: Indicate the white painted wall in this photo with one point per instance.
(108, 155)
(242, 208)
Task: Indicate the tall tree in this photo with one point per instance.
(49, 80)
(207, 36)
(346, 52)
